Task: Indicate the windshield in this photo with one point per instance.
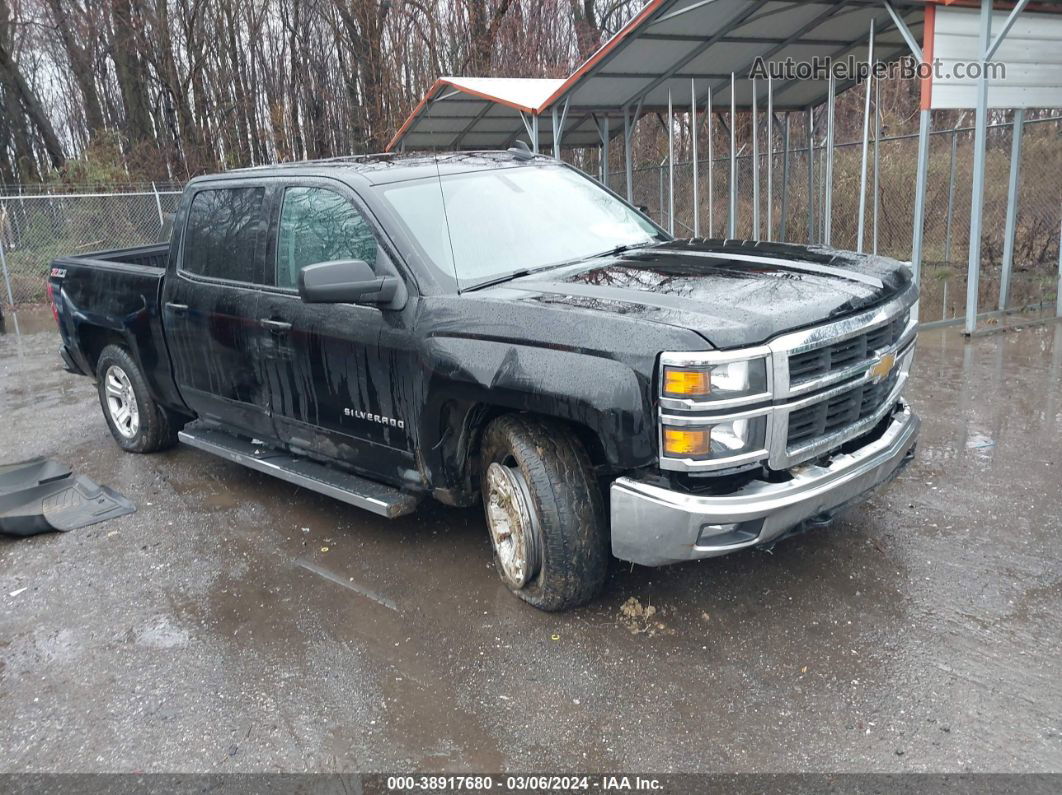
(485, 225)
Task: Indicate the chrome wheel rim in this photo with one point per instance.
(513, 527)
(121, 401)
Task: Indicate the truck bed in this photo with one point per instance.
(149, 257)
(113, 296)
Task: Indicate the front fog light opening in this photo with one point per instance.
(725, 535)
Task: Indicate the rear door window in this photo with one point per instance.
(223, 234)
(319, 225)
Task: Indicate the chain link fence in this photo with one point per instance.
(34, 229)
(889, 230)
(37, 228)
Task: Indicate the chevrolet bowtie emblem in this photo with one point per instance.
(882, 367)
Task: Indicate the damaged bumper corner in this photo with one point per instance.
(654, 526)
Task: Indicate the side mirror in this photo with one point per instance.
(345, 281)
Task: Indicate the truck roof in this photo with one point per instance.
(383, 168)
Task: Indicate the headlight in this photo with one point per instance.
(710, 382)
(721, 440)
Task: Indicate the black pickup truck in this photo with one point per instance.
(498, 327)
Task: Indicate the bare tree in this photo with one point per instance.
(22, 103)
(185, 86)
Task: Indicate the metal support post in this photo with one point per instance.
(670, 166)
(711, 166)
(660, 174)
(924, 121)
(861, 228)
(973, 269)
(755, 166)
(732, 220)
(811, 175)
(628, 168)
(877, 162)
(783, 221)
(7, 284)
(556, 138)
(158, 205)
(1012, 208)
(1058, 285)
(693, 136)
(827, 205)
(951, 199)
(605, 134)
(531, 126)
(770, 159)
(558, 126)
(629, 121)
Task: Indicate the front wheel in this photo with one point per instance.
(138, 424)
(544, 512)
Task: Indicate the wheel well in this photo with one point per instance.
(94, 339)
(482, 415)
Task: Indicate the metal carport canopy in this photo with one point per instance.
(481, 113)
(668, 44)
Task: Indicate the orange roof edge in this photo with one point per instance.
(604, 50)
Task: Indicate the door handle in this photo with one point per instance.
(177, 308)
(278, 326)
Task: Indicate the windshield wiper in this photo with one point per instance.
(625, 247)
(612, 252)
(506, 277)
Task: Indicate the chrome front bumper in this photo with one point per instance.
(654, 526)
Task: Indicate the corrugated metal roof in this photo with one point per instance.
(673, 42)
(686, 47)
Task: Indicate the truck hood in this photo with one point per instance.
(733, 294)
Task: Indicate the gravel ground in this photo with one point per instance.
(237, 623)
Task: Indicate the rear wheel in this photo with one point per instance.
(138, 424)
(544, 512)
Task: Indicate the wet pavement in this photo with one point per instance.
(237, 623)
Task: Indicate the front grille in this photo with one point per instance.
(838, 412)
(845, 353)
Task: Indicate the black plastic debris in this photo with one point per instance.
(41, 495)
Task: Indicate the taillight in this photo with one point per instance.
(50, 292)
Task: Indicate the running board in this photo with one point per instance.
(351, 489)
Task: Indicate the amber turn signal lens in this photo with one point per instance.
(682, 442)
(686, 383)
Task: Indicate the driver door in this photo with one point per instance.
(331, 368)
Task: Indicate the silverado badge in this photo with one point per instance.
(880, 370)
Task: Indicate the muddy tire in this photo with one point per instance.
(138, 424)
(544, 512)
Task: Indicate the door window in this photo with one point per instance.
(222, 233)
(319, 225)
